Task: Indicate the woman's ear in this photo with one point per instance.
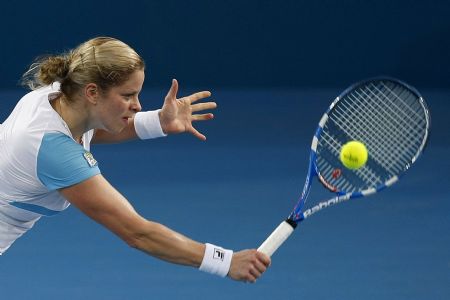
(91, 93)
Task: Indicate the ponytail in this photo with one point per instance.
(46, 70)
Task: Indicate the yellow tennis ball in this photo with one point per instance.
(354, 155)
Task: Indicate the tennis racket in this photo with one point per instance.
(390, 117)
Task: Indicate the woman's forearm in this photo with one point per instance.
(164, 243)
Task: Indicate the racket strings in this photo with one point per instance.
(411, 99)
(356, 180)
(388, 118)
(382, 126)
(346, 183)
(407, 128)
(360, 132)
(401, 118)
(381, 132)
(418, 117)
(397, 97)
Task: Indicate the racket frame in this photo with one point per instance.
(285, 229)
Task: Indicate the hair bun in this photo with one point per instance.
(54, 68)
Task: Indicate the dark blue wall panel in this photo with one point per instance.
(243, 43)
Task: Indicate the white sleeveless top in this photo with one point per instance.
(38, 156)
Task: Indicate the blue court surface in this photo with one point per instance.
(233, 190)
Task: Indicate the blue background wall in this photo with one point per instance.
(290, 43)
(273, 68)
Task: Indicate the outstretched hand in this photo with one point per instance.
(176, 115)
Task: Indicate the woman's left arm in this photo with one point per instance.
(176, 116)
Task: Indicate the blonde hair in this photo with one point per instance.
(104, 61)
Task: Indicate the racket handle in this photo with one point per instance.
(277, 238)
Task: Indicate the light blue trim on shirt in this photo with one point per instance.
(35, 208)
(62, 162)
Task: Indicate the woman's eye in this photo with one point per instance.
(129, 97)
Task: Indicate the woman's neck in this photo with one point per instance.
(74, 115)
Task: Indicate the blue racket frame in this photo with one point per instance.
(285, 228)
(298, 215)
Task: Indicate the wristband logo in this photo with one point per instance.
(218, 254)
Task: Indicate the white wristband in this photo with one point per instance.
(216, 260)
(147, 125)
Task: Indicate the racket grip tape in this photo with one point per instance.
(277, 238)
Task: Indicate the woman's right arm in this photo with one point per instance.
(102, 202)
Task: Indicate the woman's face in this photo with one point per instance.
(119, 105)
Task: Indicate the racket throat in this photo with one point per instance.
(292, 223)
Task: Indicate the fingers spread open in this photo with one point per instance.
(197, 96)
(197, 134)
(203, 106)
(172, 93)
(202, 117)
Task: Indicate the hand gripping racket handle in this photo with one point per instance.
(277, 238)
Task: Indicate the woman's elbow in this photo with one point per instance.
(142, 236)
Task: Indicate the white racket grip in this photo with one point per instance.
(276, 239)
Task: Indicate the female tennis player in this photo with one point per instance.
(90, 95)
